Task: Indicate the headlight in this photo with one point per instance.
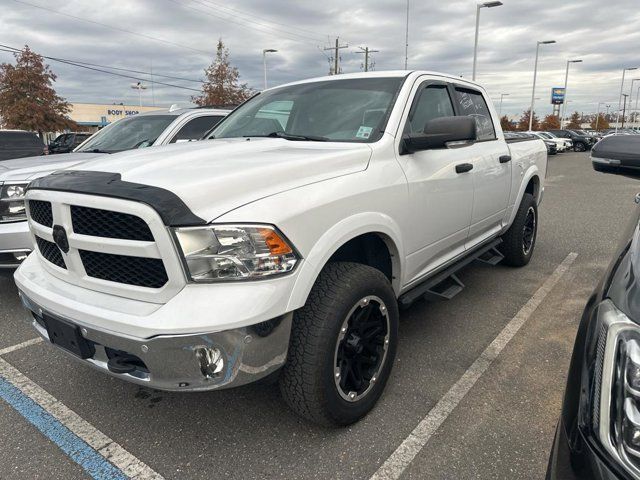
(616, 412)
(12, 208)
(234, 252)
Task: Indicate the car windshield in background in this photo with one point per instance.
(350, 110)
(128, 133)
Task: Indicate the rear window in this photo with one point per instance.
(471, 103)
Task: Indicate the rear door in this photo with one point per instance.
(440, 199)
(491, 167)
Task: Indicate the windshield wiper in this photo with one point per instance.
(94, 150)
(293, 137)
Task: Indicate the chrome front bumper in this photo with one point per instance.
(179, 362)
(15, 243)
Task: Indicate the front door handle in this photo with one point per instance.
(505, 158)
(464, 167)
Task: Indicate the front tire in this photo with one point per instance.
(579, 147)
(519, 241)
(342, 347)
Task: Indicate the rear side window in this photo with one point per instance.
(432, 102)
(196, 128)
(471, 103)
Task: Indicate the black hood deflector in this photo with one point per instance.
(172, 210)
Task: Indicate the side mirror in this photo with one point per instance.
(619, 155)
(439, 132)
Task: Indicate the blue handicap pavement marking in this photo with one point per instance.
(77, 449)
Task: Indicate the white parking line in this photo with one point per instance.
(127, 463)
(400, 459)
(19, 346)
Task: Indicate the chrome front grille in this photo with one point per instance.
(115, 246)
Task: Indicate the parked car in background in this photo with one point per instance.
(568, 143)
(581, 143)
(20, 144)
(150, 129)
(589, 135)
(598, 435)
(559, 143)
(286, 242)
(67, 142)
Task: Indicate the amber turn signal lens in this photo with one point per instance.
(277, 246)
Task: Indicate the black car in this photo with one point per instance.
(66, 142)
(598, 435)
(581, 143)
(19, 144)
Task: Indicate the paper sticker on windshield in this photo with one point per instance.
(364, 132)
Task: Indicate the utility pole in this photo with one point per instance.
(336, 58)
(366, 52)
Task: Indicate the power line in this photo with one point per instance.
(280, 33)
(124, 30)
(267, 23)
(153, 74)
(110, 73)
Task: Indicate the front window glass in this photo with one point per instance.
(433, 102)
(128, 133)
(350, 110)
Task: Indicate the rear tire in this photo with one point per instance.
(342, 347)
(579, 147)
(519, 241)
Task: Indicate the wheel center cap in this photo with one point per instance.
(353, 342)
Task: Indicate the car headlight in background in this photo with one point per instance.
(12, 207)
(616, 409)
(234, 252)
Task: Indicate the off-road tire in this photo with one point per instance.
(512, 246)
(307, 382)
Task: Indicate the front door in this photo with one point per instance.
(440, 199)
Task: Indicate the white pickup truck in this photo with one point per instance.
(286, 244)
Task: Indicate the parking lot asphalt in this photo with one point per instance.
(502, 428)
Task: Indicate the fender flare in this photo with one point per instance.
(531, 172)
(338, 235)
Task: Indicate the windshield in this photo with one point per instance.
(128, 133)
(545, 135)
(350, 110)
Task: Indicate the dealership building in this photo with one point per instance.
(94, 116)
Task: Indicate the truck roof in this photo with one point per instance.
(379, 74)
(176, 112)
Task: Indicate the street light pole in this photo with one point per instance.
(631, 96)
(624, 71)
(264, 63)
(475, 48)
(535, 74)
(564, 103)
(139, 86)
(502, 95)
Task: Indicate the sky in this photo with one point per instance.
(178, 37)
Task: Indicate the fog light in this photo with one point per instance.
(211, 361)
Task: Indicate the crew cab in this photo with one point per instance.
(285, 245)
(150, 129)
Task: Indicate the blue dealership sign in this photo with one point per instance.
(557, 96)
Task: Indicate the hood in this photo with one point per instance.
(29, 168)
(213, 177)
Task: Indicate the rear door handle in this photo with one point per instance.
(505, 158)
(464, 167)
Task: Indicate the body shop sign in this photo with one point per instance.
(119, 113)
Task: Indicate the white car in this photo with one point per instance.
(561, 144)
(150, 129)
(286, 244)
